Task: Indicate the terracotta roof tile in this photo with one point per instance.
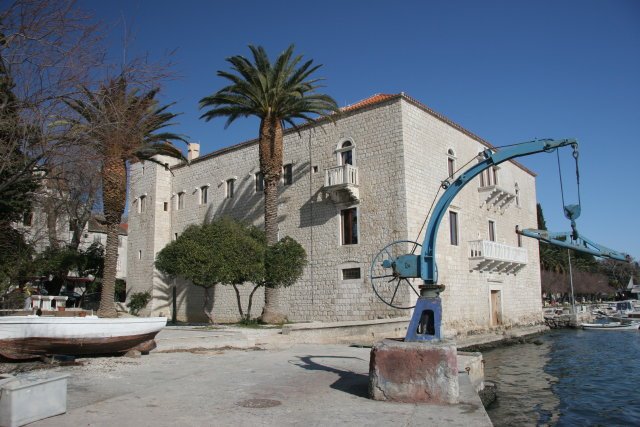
(378, 97)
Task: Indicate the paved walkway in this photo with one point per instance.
(184, 383)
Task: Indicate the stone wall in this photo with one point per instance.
(400, 152)
(466, 301)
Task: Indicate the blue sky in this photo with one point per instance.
(507, 71)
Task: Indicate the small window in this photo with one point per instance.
(351, 273)
(519, 240)
(314, 169)
(230, 185)
(349, 219)
(180, 201)
(97, 238)
(165, 206)
(142, 204)
(451, 163)
(259, 177)
(453, 227)
(287, 174)
(73, 224)
(27, 219)
(139, 254)
(492, 231)
(175, 236)
(204, 195)
(517, 196)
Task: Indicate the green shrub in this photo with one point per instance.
(138, 301)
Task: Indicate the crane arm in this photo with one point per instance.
(571, 241)
(487, 159)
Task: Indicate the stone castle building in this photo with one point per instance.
(349, 188)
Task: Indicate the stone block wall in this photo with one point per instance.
(466, 301)
(400, 152)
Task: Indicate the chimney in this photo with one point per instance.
(193, 152)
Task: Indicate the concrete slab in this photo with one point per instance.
(313, 385)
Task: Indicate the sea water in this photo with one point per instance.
(568, 378)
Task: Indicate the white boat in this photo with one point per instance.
(27, 337)
(611, 326)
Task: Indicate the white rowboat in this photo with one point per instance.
(25, 337)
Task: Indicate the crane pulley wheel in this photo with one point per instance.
(391, 287)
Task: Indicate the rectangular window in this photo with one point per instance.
(27, 219)
(519, 240)
(180, 201)
(230, 184)
(349, 219)
(97, 238)
(204, 195)
(175, 236)
(453, 227)
(492, 231)
(259, 177)
(165, 206)
(139, 254)
(351, 273)
(450, 166)
(287, 174)
(142, 204)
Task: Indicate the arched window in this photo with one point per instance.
(346, 153)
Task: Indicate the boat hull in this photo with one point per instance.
(28, 337)
(610, 326)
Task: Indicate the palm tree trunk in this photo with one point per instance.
(114, 182)
(270, 152)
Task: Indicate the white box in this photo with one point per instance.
(24, 400)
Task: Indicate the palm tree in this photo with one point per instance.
(122, 126)
(277, 94)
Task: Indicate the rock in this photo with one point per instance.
(134, 354)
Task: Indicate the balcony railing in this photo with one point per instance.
(339, 175)
(486, 255)
(496, 198)
(341, 183)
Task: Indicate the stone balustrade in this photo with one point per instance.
(341, 183)
(486, 255)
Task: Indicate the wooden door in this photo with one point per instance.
(496, 313)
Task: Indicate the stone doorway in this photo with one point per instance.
(496, 308)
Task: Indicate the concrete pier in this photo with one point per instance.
(287, 385)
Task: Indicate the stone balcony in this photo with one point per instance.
(341, 184)
(496, 198)
(493, 257)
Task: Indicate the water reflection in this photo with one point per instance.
(525, 390)
(574, 378)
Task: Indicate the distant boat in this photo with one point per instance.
(611, 326)
(28, 337)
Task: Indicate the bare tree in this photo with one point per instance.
(47, 50)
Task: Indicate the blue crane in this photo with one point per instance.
(426, 321)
